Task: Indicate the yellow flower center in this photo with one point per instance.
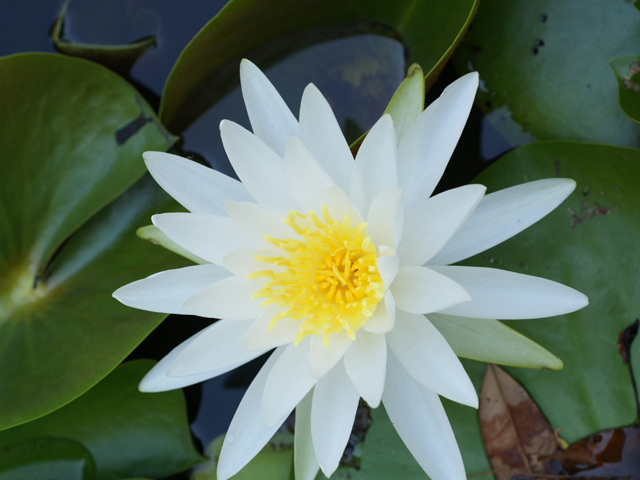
(330, 281)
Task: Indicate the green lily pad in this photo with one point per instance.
(627, 70)
(119, 58)
(73, 144)
(268, 30)
(589, 243)
(127, 432)
(544, 64)
(42, 458)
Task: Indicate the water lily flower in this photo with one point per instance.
(344, 268)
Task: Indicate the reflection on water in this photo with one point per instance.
(357, 75)
(500, 133)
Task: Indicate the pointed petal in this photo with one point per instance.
(408, 101)
(384, 317)
(156, 379)
(255, 221)
(247, 434)
(492, 342)
(431, 224)
(322, 359)
(375, 166)
(270, 117)
(422, 290)
(197, 188)
(155, 235)
(305, 465)
(242, 262)
(207, 236)
(288, 383)
(321, 134)
(335, 401)
(503, 214)
(339, 205)
(425, 150)
(366, 364)
(259, 337)
(385, 218)
(258, 166)
(307, 179)
(218, 347)
(426, 355)
(166, 292)
(229, 298)
(499, 294)
(388, 264)
(419, 418)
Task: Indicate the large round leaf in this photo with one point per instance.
(545, 63)
(589, 243)
(267, 30)
(128, 433)
(69, 332)
(71, 140)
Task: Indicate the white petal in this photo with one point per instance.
(501, 215)
(288, 382)
(198, 188)
(255, 221)
(419, 418)
(427, 356)
(165, 292)
(247, 434)
(259, 337)
(430, 225)
(305, 464)
(307, 179)
(425, 150)
(321, 134)
(322, 359)
(258, 166)
(384, 317)
(385, 218)
(218, 347)
(335, 401)
(208, 236)
(422, 290)
(387, 264)
(156, 379)
(270, 117)
(228, 298)
(366, 364)
(339, 205)
(242, 262)
(375, 167)
(503, 295)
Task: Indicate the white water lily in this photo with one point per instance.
(342, 266)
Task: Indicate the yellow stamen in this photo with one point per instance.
(330, 280)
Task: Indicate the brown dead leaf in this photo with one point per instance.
(514, 431)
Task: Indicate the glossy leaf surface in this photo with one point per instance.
(266, 31)
(545, 64)
(127, 432)
(73, 144)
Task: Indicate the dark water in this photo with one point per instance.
(358, 75)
